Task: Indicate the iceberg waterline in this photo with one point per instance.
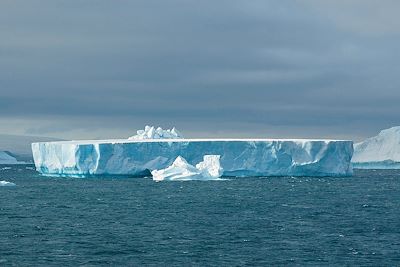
(238, 157)
(181, 170)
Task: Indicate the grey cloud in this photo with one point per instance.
(364, 17)
(76, 69)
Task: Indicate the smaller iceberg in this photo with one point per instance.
(6, 158)
(379, 152)
(180, 170)
(5, 183)
(150, 132)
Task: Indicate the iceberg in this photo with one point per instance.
(150, 132)
(181, 170)
(210, 166)
(379, 152)
(238, 157)
(6, 158)
(5, 183)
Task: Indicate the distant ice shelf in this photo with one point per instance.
(238, 157)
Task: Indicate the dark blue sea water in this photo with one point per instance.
(240, 222)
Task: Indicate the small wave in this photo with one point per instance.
(5, 168)
(5, 183)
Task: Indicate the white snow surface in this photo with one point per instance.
(379, 152)
(5, 183)
(181, 170)
(150, 132)
(238, 157)
(7, 159)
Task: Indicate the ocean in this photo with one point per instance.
(253, 221)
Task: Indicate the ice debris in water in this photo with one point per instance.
(150, 132)
(180, 170)
(5, 183)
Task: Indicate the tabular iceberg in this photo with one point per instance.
(181, 170)
(239, 157)
(379, 152)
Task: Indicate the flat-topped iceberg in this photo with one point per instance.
(379, 152)
(238, 157)
(151, 132)
(181, 170)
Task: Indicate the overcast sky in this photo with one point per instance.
(98, 69)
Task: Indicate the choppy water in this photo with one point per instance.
(250, 221)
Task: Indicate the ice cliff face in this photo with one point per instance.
(150, 132)
(239, 157)
(379, 152)
(181, 170)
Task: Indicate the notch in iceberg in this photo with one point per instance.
(180, 170)
(150, 132)
(379, 152)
